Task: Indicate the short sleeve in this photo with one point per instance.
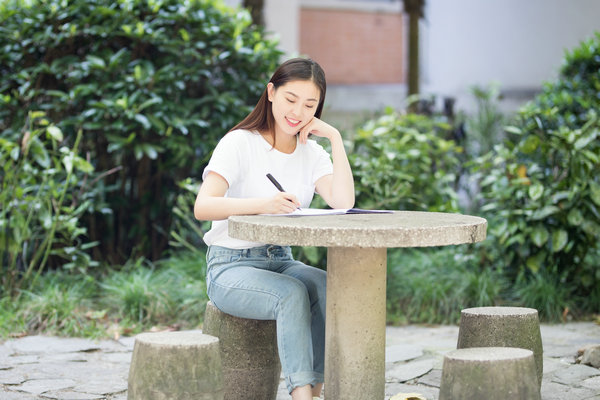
(226, 160)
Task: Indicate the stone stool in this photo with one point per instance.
(490, 373)
(251, 367)
(502, 327)
(175, 366)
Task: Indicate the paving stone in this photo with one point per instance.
(117, 358)
(128, 342)
(4, 351)
(99, 369)
(592, 383)
(552, 365)
(574, 373)
(12, 377)
(71, 395)
(402, 352)
(16, 360)
(102, 386)
(559, 351)
(39, 386)
(45, 344)
(116, 346)
(432, 378)
(557, 391)
(9, 395)
(411, 370)
(71, 357)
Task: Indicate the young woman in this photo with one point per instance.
(263, 281)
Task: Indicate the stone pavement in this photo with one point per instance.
(39, 367)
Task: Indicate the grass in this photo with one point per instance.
(427, 286)
(136, 297)
(434, 285)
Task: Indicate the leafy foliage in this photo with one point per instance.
(404, 162)
(125, 300)
(42, 198)
(434, 285)
(151, 84)
(541, 189)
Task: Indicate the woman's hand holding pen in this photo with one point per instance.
(281, 203)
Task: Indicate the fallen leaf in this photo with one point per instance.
(408, 396)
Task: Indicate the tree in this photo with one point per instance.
(151, 86)
(415, 11)
(256, 8)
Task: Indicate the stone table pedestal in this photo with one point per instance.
(356, 280)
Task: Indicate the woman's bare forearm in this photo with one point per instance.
(209, 208)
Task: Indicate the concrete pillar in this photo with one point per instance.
(502, 327)
(175, 366)
(355, 326)
(251, 367)
(490, 373)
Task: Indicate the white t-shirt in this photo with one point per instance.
(244, 159)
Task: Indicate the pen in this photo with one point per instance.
(274, 181)
(277, 185)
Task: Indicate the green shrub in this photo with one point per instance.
(434, 285)
(150, 84)
(403, 162)
(42, 198)
(122, 300)
(60, 305)
(485, 128)
(172, 291)
(541, 188)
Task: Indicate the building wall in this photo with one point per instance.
(362, 46)
(282, 19)
(281, 22)
(518, 44)
(354, 46)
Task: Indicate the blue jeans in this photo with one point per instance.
(266, 283)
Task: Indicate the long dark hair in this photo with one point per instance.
(304, 69)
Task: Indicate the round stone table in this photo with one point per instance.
(356, 280)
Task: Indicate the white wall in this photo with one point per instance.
(517, 43)
(282, 21)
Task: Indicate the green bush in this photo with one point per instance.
(123, 300)
(171, 291)
(404, 162)
(541, 188)
(42, 199)
(434, 285)
(151, 85)
(60, 305)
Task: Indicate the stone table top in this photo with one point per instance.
(396, 229)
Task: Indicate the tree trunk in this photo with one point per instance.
(414, 9)
(256, 10)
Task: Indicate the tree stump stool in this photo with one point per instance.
(251, 367)
(175, 366)
(502, 327)
(490, 373)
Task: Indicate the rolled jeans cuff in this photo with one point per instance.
(303, 378)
